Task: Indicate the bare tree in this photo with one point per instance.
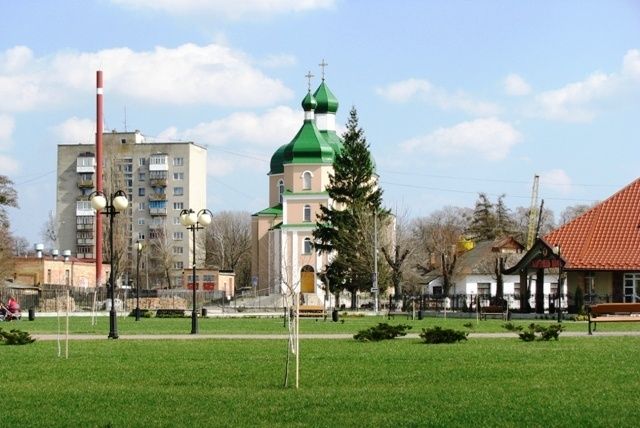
(521, 223)
(8, 198)
(398, 253)
(49, 233)
(161, 257)
(435, 239)
(573, 211)
(228, 241)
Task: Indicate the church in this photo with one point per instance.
(283, 258)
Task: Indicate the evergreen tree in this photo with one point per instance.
(505, 224)
(483, 222)
(347, 225)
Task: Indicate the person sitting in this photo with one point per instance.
(11, 310)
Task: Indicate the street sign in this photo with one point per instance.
(374, 289)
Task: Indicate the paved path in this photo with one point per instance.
(45, 337)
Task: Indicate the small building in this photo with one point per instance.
(55, 271)
(601, 248)
(476, 270)
(211, 280)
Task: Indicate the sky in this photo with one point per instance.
(455, 97)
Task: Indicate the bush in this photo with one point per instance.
(382, 331)
(170, 313)
(440, 335)
(536, 331)
(16, 337)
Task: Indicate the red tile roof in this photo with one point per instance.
(607, 237)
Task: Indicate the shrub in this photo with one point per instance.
(536, 331)
(382, 331)
(442, 335)
(170, 313)
(16, 337)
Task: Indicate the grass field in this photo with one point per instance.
(127, 325)
(481, 382)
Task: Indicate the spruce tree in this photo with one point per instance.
(483, 222)
(347, 225)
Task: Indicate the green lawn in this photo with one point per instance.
(351, 325)
(484, 382)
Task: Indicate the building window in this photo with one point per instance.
(178, 265)
(178, 191)
(176, 220)
(142, 161)
(140, 222)
(307, 247)
(178, 250)
(142, 176)
(140, 191)
(484, 289)
(178, 175)
(307, 213)
(306, 180)
(140, 236)
(280, 190)
(178, 206)
(178, 161)
(178, 236)
(141, 206)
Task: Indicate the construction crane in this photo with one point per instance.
(533, 213)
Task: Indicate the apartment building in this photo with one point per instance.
(159, 178)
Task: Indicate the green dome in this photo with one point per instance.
(277, 161)
(327, 102)
(308, 146)
(309, 102)
(334, 141)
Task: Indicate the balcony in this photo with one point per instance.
(84, 226)
(158, 182)
(83, 184)
(85, 241)
(158, 211)
(158, 197)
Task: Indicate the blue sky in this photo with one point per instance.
(455, 97)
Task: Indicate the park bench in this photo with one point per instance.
(494, 311)
(612, 312)
(312, 311)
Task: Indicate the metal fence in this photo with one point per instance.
(99, 299)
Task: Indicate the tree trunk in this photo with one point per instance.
(354, 299)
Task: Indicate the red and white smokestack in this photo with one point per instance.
(99, 131)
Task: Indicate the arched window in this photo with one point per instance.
(306, 180)
(307, 247)
(306, 215)
(280, 190)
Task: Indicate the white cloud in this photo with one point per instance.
(515, 85)
(219, 167)
(231, 9)
(7, 125)
(421, 89)
(281, 60)
(275, 126)
(76, 131)
(188, 74)
(489, 138)
(579, 101)
(8, 165)
(631, 64)
(573, 102)
(556, 179)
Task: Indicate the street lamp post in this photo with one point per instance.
(194, 221)
(139, 252)
(116, 203)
